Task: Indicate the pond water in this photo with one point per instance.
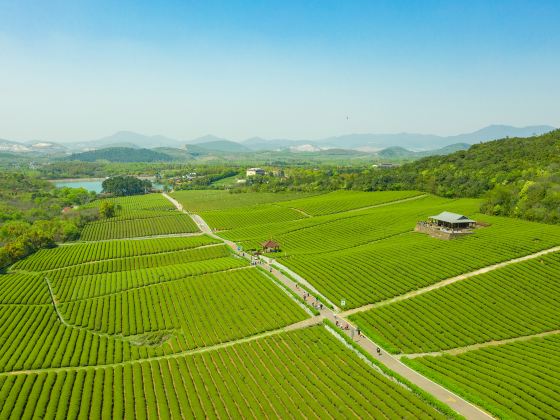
(90, 184)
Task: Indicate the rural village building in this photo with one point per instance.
(255, 171)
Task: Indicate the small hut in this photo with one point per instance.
(270, 246)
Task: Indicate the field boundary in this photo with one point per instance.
(134, 238)
(449, 281)
(298, 325)
(388, 203)
(474, 347)
(53, 300)
(111, 259)
(156, 284)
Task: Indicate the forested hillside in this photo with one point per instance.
(33, 216)
(518, 176)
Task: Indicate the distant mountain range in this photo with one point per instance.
(390, 146)
(416, 142)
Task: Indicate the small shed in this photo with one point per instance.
(270, 246)
(452, 220)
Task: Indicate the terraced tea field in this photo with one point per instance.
(249, 216)
(341, 201)
(175, 294)
(304, 373)
(137, 206)
(92, 285)
(137, 216)
(517, 380)
(199, 201)
(517, 300)
(76, 254)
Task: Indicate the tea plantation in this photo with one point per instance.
(186, 324)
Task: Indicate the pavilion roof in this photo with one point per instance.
(446, 216)
(270, 244)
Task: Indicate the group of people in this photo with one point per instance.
(347, 327)
(316, 303)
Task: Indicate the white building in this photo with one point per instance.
(255, 171)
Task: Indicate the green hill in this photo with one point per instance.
(517, 176)
(397, 152)
(121, 154)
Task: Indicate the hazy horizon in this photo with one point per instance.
(76, 71)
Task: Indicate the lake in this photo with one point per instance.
(90, 184)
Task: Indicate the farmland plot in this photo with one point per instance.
(138, 206)
(69, 255)
(22, 288)
(249, 216)
(144, 261)
(346, 230)
(207, 200)
(517, 300)
(136, 216)
(304, 373)
(157, 225)
(286, 211)
(161, 311)
(199, 310)
(341, 201)
(73, 287)
(398, 264)
(516, 380)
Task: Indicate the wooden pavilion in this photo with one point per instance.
(270, 246)
(452, 220)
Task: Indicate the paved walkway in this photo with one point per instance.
(300, 279)
(449, 281)
(457, 403)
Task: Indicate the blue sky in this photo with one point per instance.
(73, 70)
